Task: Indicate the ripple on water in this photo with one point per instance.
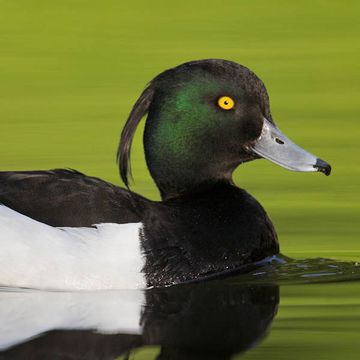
(284, 269)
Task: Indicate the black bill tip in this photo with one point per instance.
(323, 166)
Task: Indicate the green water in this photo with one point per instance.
(314, 322)
(71, 70)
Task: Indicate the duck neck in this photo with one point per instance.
(177, 174)
(169, 191)
(179, 166)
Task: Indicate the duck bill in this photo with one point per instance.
(276, 147)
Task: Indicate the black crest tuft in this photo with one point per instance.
(140, 108)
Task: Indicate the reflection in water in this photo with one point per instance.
(211, 320)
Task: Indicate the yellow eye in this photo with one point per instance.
(226, 102)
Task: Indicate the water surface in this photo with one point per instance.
(70, 72)
(309, 308)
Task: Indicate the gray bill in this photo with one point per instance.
(276, 147)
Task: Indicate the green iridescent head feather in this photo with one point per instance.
(188, 138)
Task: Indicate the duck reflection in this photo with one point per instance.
(211, 320)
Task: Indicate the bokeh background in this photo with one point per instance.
(70, 72)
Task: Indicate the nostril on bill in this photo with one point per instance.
(279, 141)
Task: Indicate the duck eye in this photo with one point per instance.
(226, 102)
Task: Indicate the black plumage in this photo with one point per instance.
(206, 234)
(205, 225)
(68, 198)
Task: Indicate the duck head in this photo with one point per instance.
(204, 119)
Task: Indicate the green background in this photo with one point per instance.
(70, 72)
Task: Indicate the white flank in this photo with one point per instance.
(35, 255)
(26, 314)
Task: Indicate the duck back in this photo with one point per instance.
(63, 197)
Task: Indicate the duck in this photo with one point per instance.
(63, 230)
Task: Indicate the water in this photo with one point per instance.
(282, 269)
(70, 72)
(282, 309)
